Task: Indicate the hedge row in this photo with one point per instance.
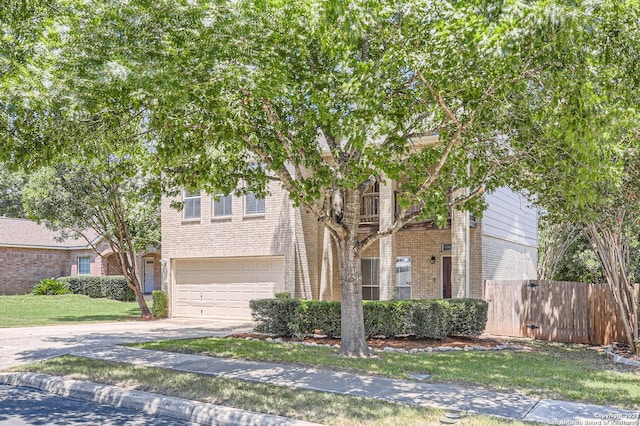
(434, 319)
(110, 287)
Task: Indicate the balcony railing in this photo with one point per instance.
(370, 210)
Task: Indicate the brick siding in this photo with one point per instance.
(280, 231)
(420, 246)
(23, 268)
(508, 260)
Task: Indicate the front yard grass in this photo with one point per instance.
(28, 310)
(324, 408)
(545, 370)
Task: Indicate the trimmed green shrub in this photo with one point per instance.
(115, 287)
(468, 317)
(386, 318)
(112, 287)
(50, 287)
(160, 307)
(273, 316)
(317, 315)
(430, 319)
(86, 285)
(284, 295)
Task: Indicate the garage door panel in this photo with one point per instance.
(222, 288)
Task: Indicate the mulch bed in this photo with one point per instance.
(625, 351)
(142, 318)
(407, 343)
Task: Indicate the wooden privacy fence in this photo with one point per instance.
(554, 310)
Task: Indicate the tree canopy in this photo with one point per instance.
(11, 186)
(334, 96)
(87, 149)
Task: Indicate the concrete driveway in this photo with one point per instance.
(28, 344)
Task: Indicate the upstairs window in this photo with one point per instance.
(191, 201)
(222, 205)
(253, 204)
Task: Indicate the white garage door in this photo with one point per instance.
(222, 288)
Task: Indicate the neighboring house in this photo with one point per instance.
(222, 252)
(29, 252)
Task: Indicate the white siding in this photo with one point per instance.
(510, 217)
(505, 260)
(509, 237)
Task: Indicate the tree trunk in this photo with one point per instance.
(612, 254)
(353, 340)
(127, 254)
(131, 276)
(554, 243)
(134, 283)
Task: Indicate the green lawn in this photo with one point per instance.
(325, 408)
(29, 310)
(568, 372)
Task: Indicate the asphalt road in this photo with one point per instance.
(24, 406)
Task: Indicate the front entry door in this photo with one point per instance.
(446, 277)
(149, 278)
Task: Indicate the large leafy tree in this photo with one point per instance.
(335, 96)
(606, 242)
(598, 111)
(86, 145)
(580, 263)
(330, 96)
(115, 203)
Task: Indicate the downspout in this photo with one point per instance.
(467, 253)
(467, 241)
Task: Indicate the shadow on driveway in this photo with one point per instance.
(30, 344)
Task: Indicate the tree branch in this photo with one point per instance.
(288, 182)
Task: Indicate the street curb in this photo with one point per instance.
(149, 403)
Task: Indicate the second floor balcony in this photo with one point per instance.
(370, 211)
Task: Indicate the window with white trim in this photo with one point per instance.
(370, 278)
(84, 265)
(191, 200)
(253, 204)
(222, 205)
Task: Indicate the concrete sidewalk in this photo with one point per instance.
(424, 394)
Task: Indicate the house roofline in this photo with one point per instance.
(43, 247)
(89, 246)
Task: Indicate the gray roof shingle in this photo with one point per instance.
(26, 233)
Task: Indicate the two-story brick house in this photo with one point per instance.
(221, 252)
(29, 252)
